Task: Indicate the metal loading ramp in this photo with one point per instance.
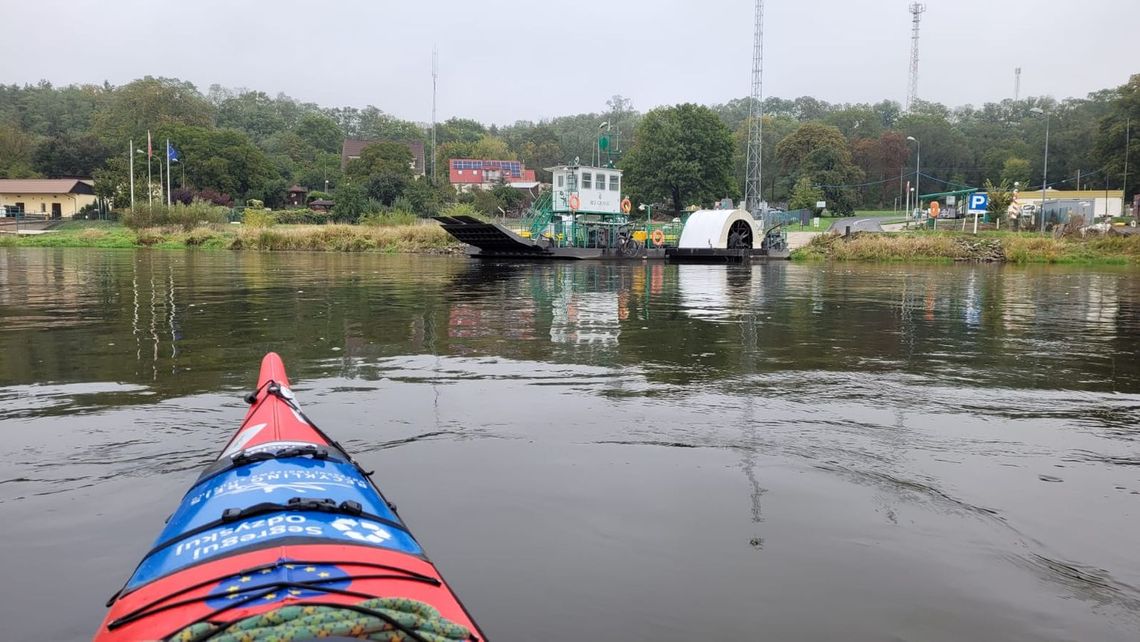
(491, 238)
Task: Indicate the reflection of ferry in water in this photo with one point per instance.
(584, 216)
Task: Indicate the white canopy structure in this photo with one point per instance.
(720, 229)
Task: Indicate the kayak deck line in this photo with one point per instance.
(283, 518)
(154, 607)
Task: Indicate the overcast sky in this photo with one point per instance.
(502, 61)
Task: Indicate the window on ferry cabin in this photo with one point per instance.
(561, 180)
(601, 181)
(614, 182)
(586, 180)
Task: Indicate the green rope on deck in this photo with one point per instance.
(307, 622)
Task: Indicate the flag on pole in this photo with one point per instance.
(169, 157)
(149, 149)
(171, 153)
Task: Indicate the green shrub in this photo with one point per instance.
(461, 209)
(255, 217)
(185, 216)
(303, 217)
(199, 236)
(389, 218)
(148, 236)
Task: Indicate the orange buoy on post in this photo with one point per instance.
(574, 202)
(658, 238)
(626, 205)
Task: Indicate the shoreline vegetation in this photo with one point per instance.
(406, 238)
(426, 237)
(985, 247)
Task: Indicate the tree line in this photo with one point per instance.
(243, 144)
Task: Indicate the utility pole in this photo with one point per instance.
(916, 10)
(753, 181)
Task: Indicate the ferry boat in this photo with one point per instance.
(583, 215)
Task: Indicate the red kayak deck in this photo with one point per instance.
(284, 517)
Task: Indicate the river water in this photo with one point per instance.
(608, 452)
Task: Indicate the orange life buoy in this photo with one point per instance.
(626, 205)
(574, 202)
(658, 238)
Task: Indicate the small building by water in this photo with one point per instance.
(46, 197)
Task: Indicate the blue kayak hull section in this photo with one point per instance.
(274, 481)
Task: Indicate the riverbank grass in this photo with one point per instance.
(415, 237)
(990, 246)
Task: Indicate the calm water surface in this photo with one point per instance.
(608, 452)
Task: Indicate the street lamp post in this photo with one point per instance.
(1045, 171)
(648, 209)
(917, 166)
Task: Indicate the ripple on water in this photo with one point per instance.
(24, 401)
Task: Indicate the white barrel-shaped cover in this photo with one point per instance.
(709, 228)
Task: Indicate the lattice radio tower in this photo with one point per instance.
(434, 81)
(752, 181)
(1017, 84)
(916, 9)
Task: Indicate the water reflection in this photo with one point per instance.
(792, 439)
(990, 325)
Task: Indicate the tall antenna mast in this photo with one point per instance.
(753, 186)
(916, 10)
(1016, 84)
(434, 81)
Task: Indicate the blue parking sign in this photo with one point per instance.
(979, 202)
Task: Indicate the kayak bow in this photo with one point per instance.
(285, 537)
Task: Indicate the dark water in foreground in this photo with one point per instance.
(782, 452)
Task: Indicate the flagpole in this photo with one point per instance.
(149, 176)
(131, 155)
(168, 172)
(160, 182)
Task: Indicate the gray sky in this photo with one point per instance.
(502, 61)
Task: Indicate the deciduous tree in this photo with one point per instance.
(149, 104)
(819, 153)
(681, 154)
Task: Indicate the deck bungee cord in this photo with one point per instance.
(375, 619)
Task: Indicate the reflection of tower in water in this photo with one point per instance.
(752, 287)
(719, 293)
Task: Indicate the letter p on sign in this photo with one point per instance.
(979, 202)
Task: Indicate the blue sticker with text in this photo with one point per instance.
(274, 482)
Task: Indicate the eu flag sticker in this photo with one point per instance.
(286, 579)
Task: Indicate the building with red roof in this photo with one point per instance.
(467, 174)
